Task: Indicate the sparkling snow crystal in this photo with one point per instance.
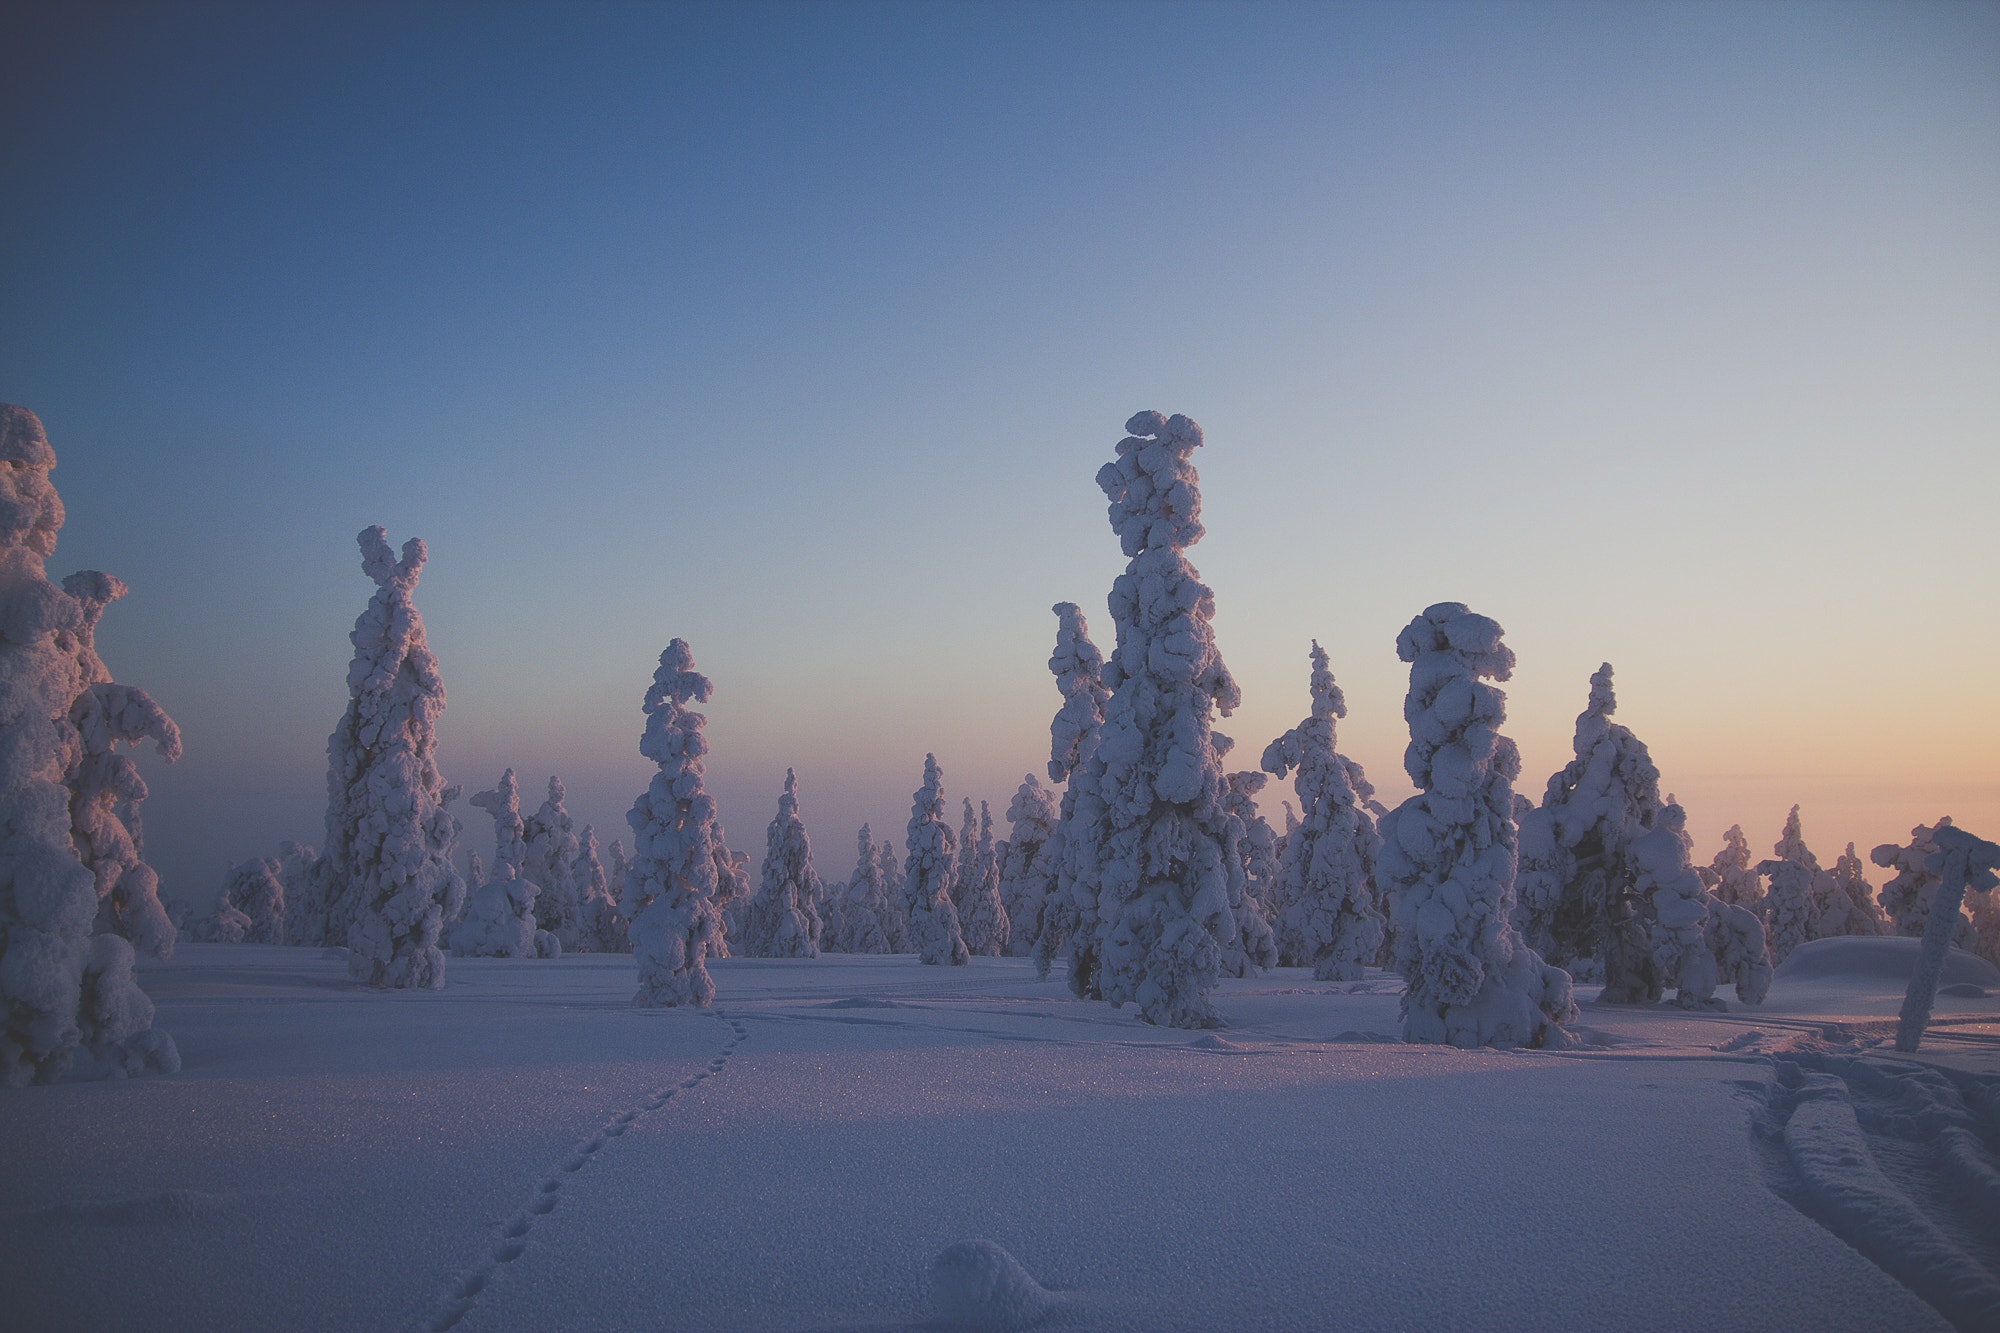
(1449, 850)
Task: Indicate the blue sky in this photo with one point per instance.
(1663, 334)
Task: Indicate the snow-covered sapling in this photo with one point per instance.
(1027, 865)
(1328, 918)
(1449, 850)
(928, 874)
(1069, 914)
(386, 877)
(781, 922)
(679, 858)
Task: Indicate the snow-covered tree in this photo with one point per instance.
(1798, 891)
(1730, 876)
(603, 928)
(1849, 907)
(1027, 865)
(255, 889)
(982, 915)
(551, 849)
(1664, 877)
(1151, 836)
(858, 920)
(894, 916)
(1069, 913)
(781, 922)
(1449, 850)
(1256, 943)
(386, 878)
(968, 851)
(928, 874)
(63, 988)
(1985, 912)
(1328, 918)
(1906, 899)
(295, 873)
(499, 920)
(679, 858)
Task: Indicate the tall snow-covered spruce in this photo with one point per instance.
(69, 846)
(1155, 842)
(929, 873)
(1449, 850)
(674, 879)
(386, 881)
(1328, 919)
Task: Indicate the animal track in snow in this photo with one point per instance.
(511, 1237)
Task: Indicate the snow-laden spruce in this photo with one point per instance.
(1798, 890)
(968, 850)
(1849, 907)
(982, 916)
(1328, 919)
(603, 928)
(1906, 899)
(1069, 914)
(295, 872)
(928, 874)
(1664, 878)
(499, 921)
(1449, 850)
(857, 916)
(1027, 863)
(549, 859)
(1256, 943)
(256, 890)
(386, 879)
(1730, 876)
(895, 917)
(1151, 835)
(63, 988)
(782, 921)
(679, 860)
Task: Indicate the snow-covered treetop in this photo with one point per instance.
(1451, 649)
(1791, 846)
(1079, 673)
(389, 633)
(1153, 486)
(673, 733)
(1287, 752)
(504, 804)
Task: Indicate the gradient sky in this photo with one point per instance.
(1667, 335)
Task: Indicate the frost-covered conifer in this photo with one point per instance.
(1906, 899)
(1069, 914)
(858, 920)
(475, 869)
(1798, 891)
(1256, 943)
(781, 922)
(1449, 850)
(499, 920)
(1730, 876)
(1665, 878)
(679, 858)
(1596, 805)
(1849, 906)
(256, 891)
(61, 986)
(982, 916)
(1027, 864)
(386, 878)
(1328, 918)
(550, 861)
(603, 928)
(968, 851)
(1151, 837)
(1985, 912)
(894, 916)
(295, 873)
(928, 874)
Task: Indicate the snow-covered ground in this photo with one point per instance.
(525, 1151)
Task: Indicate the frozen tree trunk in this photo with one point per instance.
(1961, 862)
(1069, 913)
(551, 852)
(781, 922)
(69, 830)
(982, 915)
(1449, 850)
(679, 859)
(386, 876)
(1329, 919)
(928, 873)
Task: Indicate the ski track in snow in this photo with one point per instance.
(510, 1242)
(1899, 1159)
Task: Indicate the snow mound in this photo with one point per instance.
(976, 1284)
(860, 1002)
(1886, 957)
(1211, 1042)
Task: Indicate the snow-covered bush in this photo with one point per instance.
(1027, 863)
(1328, 919)
(1906, 899)
(679, 859)
(1150, 835)
(1069, 913)
(1449, 850)
(295, 872)
(63, 989)
(386, 878)
(1798, 891)
(1730, 876)
(1849, 906)
(549, 859)
(928, 874)
(982, 916)
(1256, 943)
(782, 922)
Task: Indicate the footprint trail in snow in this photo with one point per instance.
(511, 1241)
